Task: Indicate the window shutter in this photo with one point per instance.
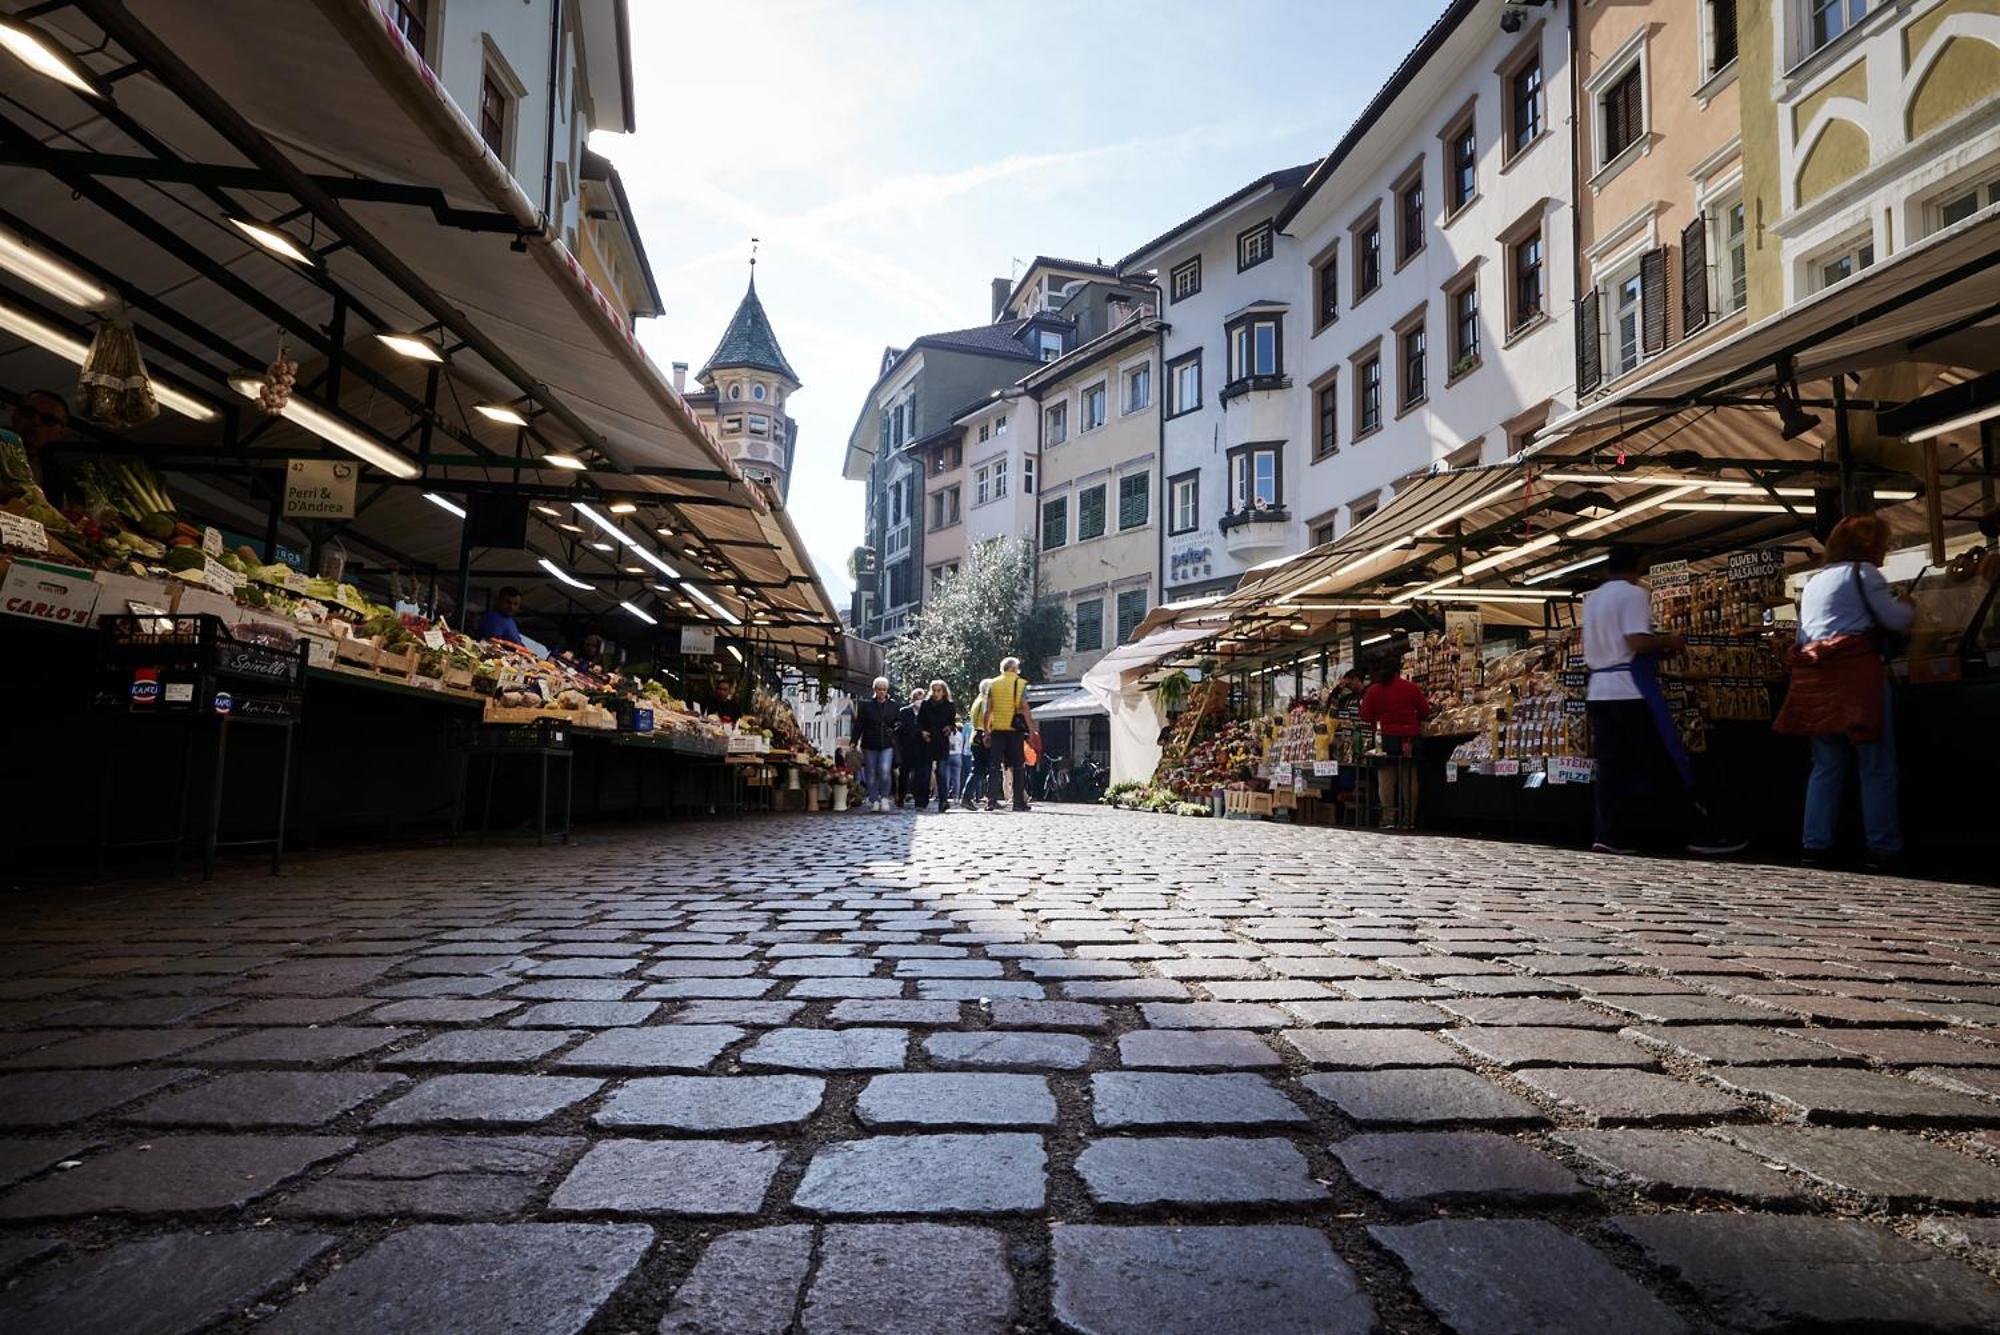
(1694, 275)
(1589, 356)
(1653, 299)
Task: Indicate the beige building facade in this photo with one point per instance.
(1663, 224)
(1097, 504)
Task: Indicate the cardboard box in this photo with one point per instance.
(51, 594)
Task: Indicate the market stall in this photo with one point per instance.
(335, 383)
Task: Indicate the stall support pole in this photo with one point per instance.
(271, 525)
(1989, 458)
(1933, 502)
(1851, 501)
(464, 576)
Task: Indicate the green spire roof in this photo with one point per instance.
(749, 342)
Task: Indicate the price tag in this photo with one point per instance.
(23, 533)
(1506, 768)
(219, 576)
(295, 582)
(211, 542)
(1570, 769)
(1451, 774)
(1535, 780)
(1281, 773)
(434, 638)
(1326, 769)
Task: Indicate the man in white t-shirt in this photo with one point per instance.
(1639, 754)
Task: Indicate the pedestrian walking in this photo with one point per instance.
(1009, 725)
(913, 761)
(1849, 618)
(979, 746)
(1641, 764)
(1397, 707)
(954, 760)
(874, 733)
(937, 718)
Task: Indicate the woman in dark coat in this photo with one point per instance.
(912, 759)
(937, 720)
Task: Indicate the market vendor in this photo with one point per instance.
(497, 622)
(1638, 748)
(28, 453)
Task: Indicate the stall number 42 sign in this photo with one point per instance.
(320, 488)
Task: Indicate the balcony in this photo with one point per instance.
(1251, 533)
(1236, 389)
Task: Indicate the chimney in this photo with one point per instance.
(1001, 287)
(680, 377)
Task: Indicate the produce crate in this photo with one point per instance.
(399, 666)
(356, 651)
(748, 744)
(457, 678)
(194, 662)
(1244, 804)
(550, 729)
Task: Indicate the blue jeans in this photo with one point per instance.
(878, 773)
(1833, 756)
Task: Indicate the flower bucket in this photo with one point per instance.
(812, 797)
(792, 778)
(840, 797)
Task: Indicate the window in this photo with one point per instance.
(1090, 513)
(1051, 345)
(941, 574)
(1626, 304)
(1832, 269)
(732, 426)
(937, 510)
(1362, 509)
(1131, 611)
(1027, 477)
(1734, 279)
(1254, 349)
(1524, 105)
(1721, 16)
(408, 16)
(989, 483)
(1326, 418)
(1368, 397)
(1139, 388)
(1621, 114)
(1413, 344)
(495, 110)
(1524, 273)
(1184, 279)
(982, 432)
(1184, 384)
(1135, 500)
(1090, 625)
(1410, 217)
(1828, 19)
(1055, 523)
(1184, 503)
(1322, 533)
(1464, 305)
(899, 584)
(1462, 171)
(1368, 261)
(1254, 478)
(1326, 291)
(1253, 247)
(1961, 202)
(1093, 407)
(999, 478)
(760, 425)
(1056, 423)
(1000, 425)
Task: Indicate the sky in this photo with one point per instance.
(893, 157)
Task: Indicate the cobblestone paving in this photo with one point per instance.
(1075, 1070)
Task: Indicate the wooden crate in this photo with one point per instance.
(457, 678)
(400, 666)
(356, 651)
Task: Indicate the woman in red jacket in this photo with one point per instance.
(1398, 707)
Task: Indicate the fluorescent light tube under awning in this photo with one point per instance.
(332, 430)
(73, 349)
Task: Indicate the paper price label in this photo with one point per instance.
(434, 638)
(1506, 768)
(1535, 780)
(23, 533)
(219, 576)
(1451, 774)
(211, 542)
(295, 582)
(1569, 769)
(1326, 769)
(1281, 773)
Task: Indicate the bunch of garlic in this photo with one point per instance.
(279, 377)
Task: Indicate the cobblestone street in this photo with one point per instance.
(1075, 1070)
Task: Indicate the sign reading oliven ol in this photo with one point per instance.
(320, 488)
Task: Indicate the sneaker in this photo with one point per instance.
(1816, 857)
(1601, 847)
(1886, 862)
(1716, 848)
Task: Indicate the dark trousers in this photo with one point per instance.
(937, 769)
(975, 782)
(1008, 752)
(916, 771)
(1638, 787)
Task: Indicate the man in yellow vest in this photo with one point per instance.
(1009, 723)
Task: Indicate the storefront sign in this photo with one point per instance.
(320, 488)
(1191, 558)
(1670, 575)
(1761, 564)
(1463, 627)
(23, 533)
(59, 595)
(698, 641)
(1326, 769)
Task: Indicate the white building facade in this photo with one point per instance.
(1434, 293)
(1228, 281)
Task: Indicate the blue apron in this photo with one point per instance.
(1644, 669)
